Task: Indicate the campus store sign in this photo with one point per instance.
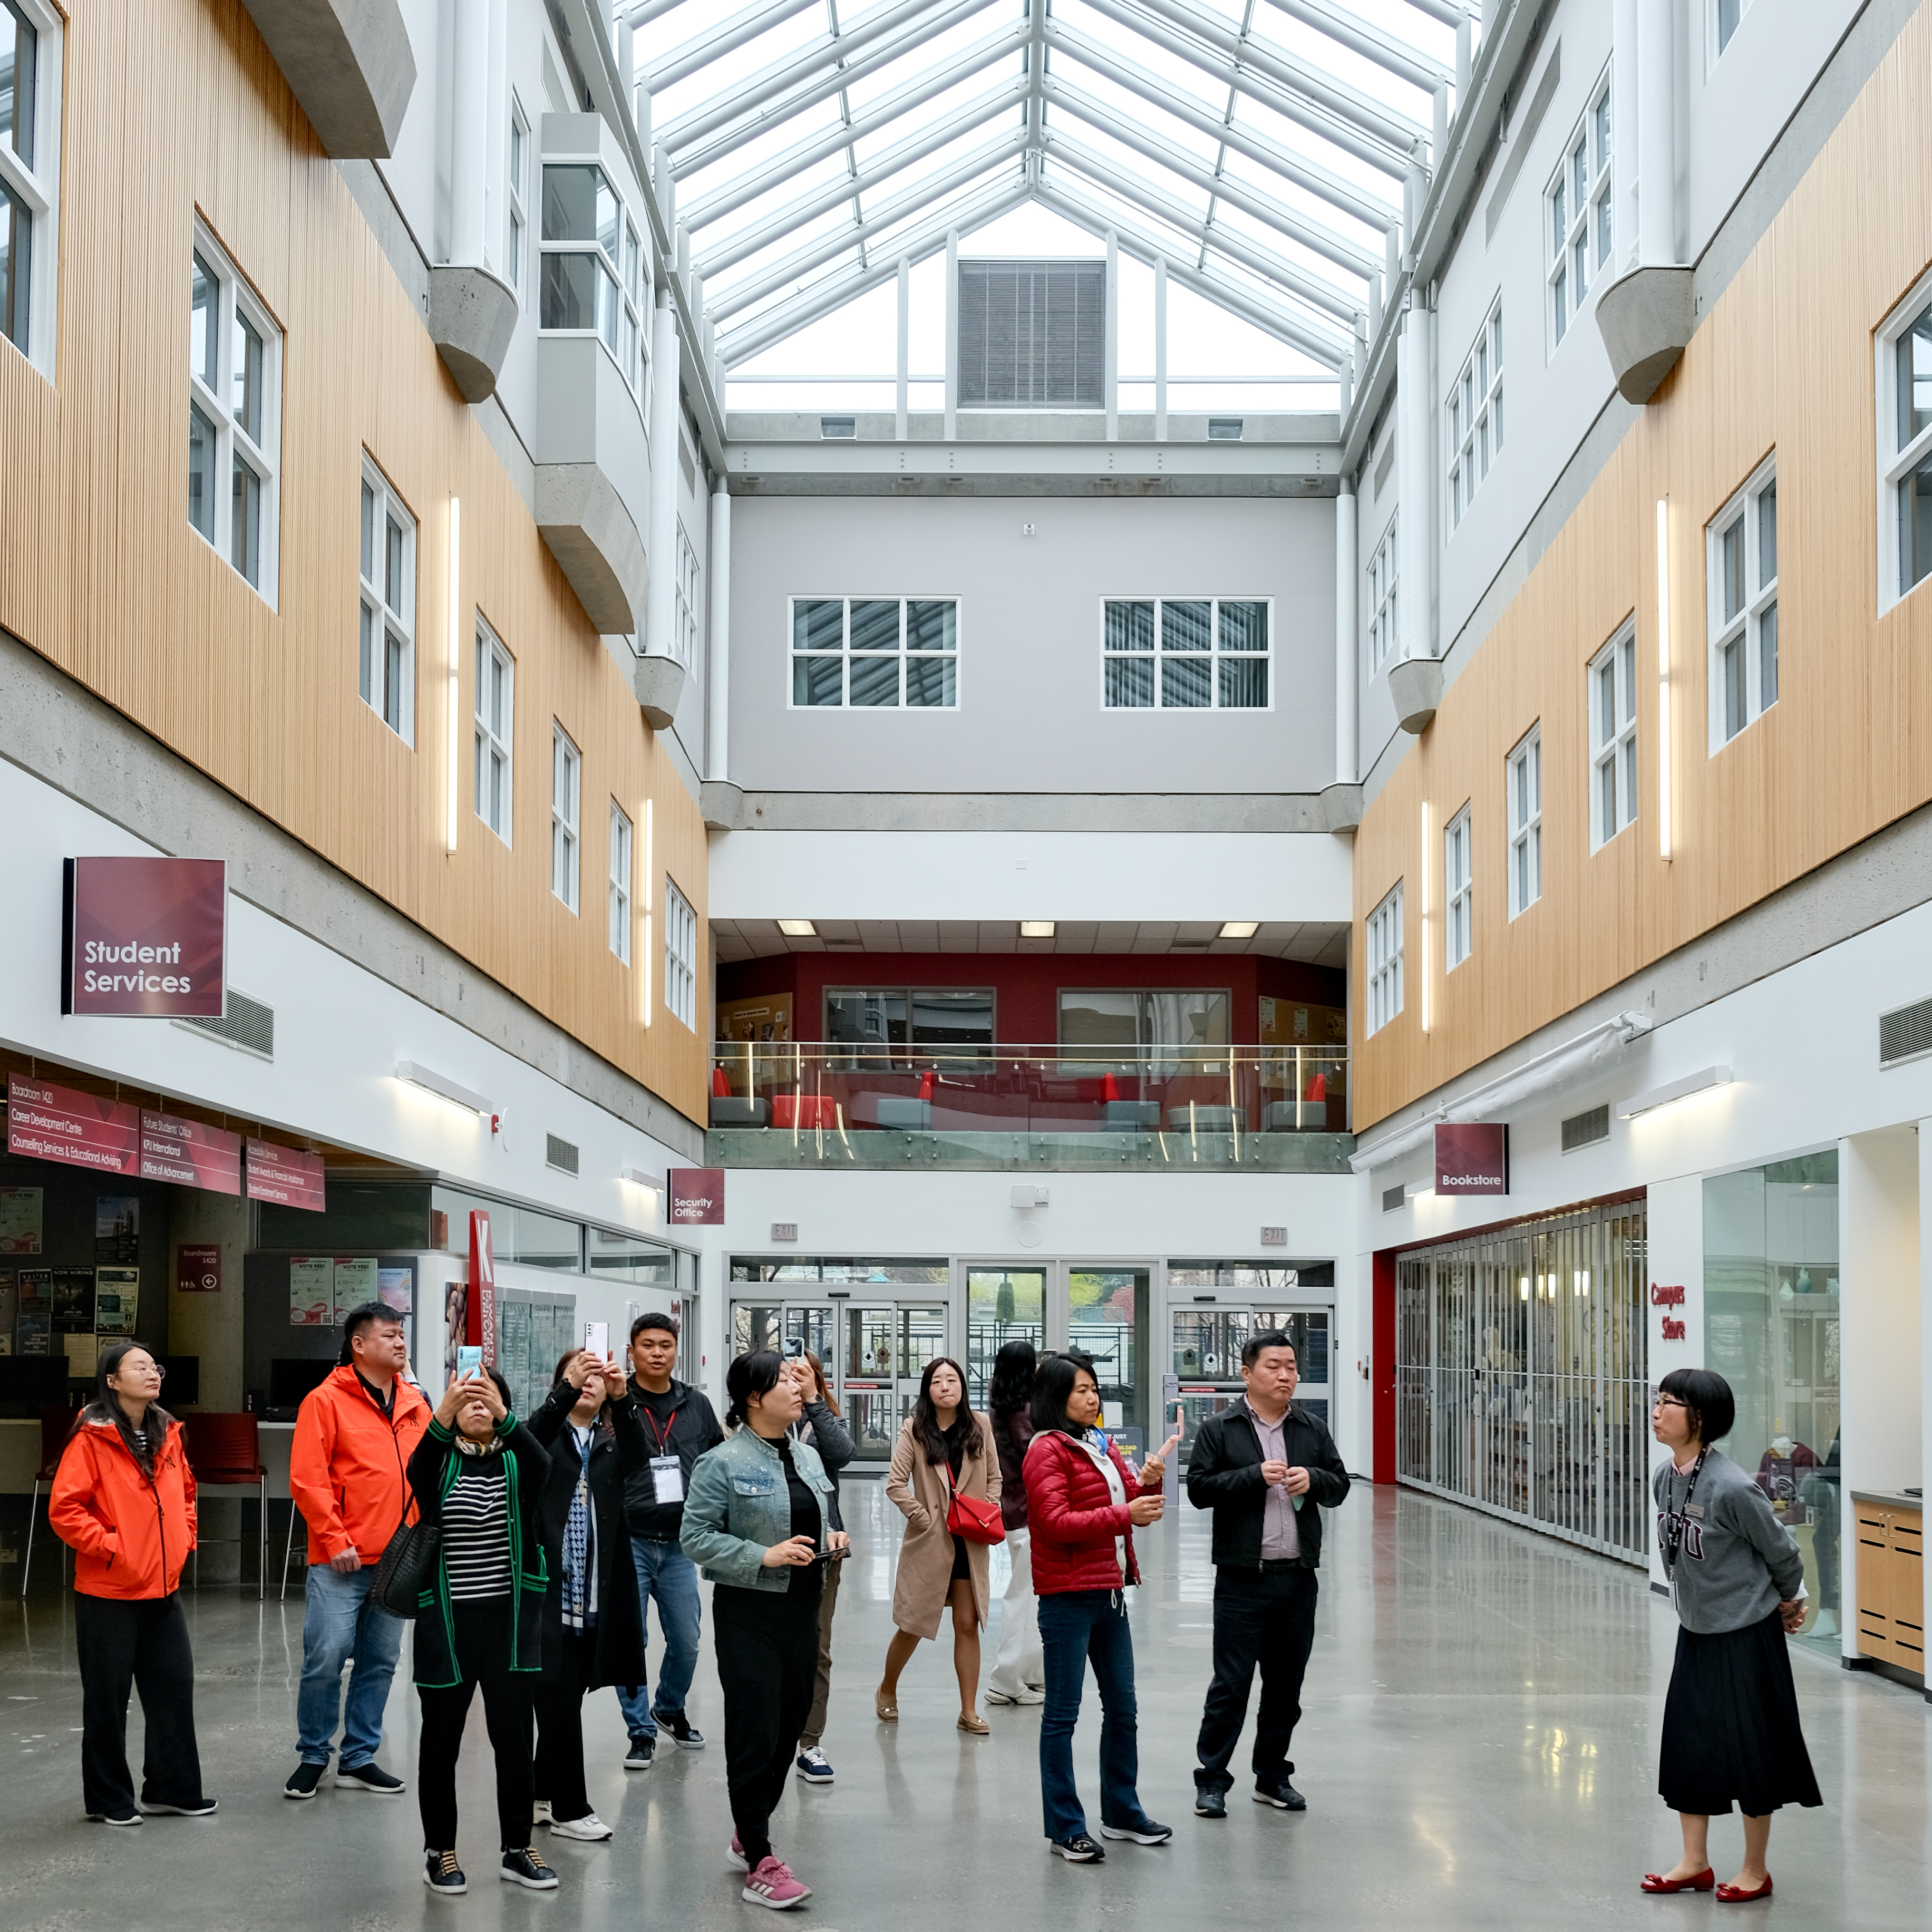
(1471, 1157)
(145, 938)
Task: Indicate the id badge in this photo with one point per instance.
(668, 1479)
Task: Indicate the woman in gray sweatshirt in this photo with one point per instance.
(1731, 1731)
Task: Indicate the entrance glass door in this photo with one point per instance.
(1003, 1305)
(884, 1353)
(1207, 1355)
(1107, 1318)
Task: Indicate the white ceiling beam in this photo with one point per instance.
(1318, 180)
(803, 63)
(1449, 12)
(701, 50)
(646, 11)
(795, 214)
(1340, 26)
(1285, 221)
(728, 302)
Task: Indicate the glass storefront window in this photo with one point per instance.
(615, 1257)
(518, 1235)
(1770, 1330)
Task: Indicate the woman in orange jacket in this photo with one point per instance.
(124, 1498)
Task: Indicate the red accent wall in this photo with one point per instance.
(1027, 985)
(1382, 1365)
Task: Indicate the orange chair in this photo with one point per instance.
(225, 1452)
(56, 1426)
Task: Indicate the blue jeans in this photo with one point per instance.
(664, 1572)
(339, 1622)
(1077, 1627)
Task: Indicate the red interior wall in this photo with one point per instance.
(1382, 1365)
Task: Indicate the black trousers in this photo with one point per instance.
(767, 1662)
(559, 1707)
(483, 1655)
(138, 1643)
(1265, 1617)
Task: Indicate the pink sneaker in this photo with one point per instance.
(773, 1885)
(734, 1854)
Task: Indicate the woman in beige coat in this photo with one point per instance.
(937, 1568)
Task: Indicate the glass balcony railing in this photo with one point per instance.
(800, 1103)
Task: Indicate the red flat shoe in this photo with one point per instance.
(1703, 1881)
(1736, 1895)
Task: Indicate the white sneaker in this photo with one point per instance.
(1021, 1696)
(591, 1829)
(540, 1812)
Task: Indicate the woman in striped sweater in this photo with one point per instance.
(479, 1472)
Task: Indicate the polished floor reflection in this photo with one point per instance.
(1479, 1750)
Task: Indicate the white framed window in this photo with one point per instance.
(566, 781)
(1612, 696)
(1905, 446)
(620, 882)
(1382, 598)
(1721, 20)
(1458, 934)
(30, 149)
(684, 628)
(1741, 574)
(1186, 653)
(1476, 415)
(1384, 951)
(1522, 781)
(1578, 214)
(517, 224)
(234, 415)
(385, 649)
(680, 956)
(592, 262)
(495, 730)
(875, 653)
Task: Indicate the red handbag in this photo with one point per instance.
(973, 1518)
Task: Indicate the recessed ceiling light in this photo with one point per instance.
(1035, 928)
(798, 928)
(1241, 928)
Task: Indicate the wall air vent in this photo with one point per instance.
(247, 1025)
(838, 429)
(1393, 1198)
(1189, 945)
(1033, 335)
(560, 1154)
(1904, 1034)
(1582, 1130)
(1224, 429)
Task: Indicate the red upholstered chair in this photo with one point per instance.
(225, 1452)
(56, 1426)
(803, 1110)
(721, 1087)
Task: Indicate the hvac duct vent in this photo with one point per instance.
(1393, 1198)
(1905, 1033)
(838, 429)
(1582, 1130)
(1032, 334)
(247, 1025)
(560, 1154)
(1224, 429)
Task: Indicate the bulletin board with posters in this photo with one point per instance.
(293, 1305)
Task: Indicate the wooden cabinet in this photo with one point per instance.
(1891, 1579)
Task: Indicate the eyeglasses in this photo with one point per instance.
(1666, 1401)
(158, 1370)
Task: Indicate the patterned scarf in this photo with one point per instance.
(579, 1612)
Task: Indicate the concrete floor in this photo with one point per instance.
(1479, 1750)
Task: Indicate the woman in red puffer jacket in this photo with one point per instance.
(1083, 1505)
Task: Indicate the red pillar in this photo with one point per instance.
(1382, 1365)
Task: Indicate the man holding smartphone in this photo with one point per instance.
(679, 1426)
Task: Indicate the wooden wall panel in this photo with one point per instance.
(173, 106)
(1784, 361)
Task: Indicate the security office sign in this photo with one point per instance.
(697, 1197)
(1471, 1157)
(145, 937)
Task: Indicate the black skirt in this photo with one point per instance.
(1731, 1733)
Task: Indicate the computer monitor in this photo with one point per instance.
(290, 1379)
(181, 1387)
(31, 1383)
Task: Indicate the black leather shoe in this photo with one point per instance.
(1279, 1792)
(1208, 1804)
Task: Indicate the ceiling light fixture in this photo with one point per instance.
(1674, 1090)
(1035, 928)
(442, 1085)
(798, 928)
(1241, 928)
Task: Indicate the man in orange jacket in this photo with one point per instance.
(353, 1438)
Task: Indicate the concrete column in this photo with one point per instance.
(469, 139)
(660, 605)
(1111, 377)
(952, 334)
(1656, 133)
(209, 1327)
(905, 347)
(1463, 58)
(718, 724)
(1160, 349)
(665, 183)
(1347, 578)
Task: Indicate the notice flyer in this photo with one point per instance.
(83, 1356)
(117, 1294)
(10, 1310)
(20, 1220)
(311, 1292)
(74, 1301)
(396, 1288)
(35, 1288)
(32, 1335)
(355, 1284)
(117, 1228)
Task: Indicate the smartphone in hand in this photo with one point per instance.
(597, 1338)
(469, 1362)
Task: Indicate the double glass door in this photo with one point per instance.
(1206, 1357)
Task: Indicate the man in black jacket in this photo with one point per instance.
(1259, 1465)
(679, 1426)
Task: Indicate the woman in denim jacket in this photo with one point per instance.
(757, 1521)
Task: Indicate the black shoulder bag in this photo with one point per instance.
(407, 1566)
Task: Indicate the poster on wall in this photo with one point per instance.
(83, 1356)
(10, 1310)
(20, 1220)
(117, 1294)
(396, 1288)
(455, 1327)
(355, 1284)
(33, 1335)
(73, 1300)
(117, 1228)
(312, 1292)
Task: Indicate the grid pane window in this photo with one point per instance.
(1384, 953)
(518, 196)
(1382, 610)
(592, 276)
(566, 778)
(30, 44)
(1523, 784)
(1579, 206)
(684, 625)
(620, 882)
(496, 720)
(1476, 416)
(1186, 654)
(1613, 696)
(1724, 17)
(386, 550)
(875, 653)
(680, 957)
(1905, 447)
(1458, 932)
(1742, 551)
(234, 417)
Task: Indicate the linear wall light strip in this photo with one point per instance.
(1663, 829)
(455, 666)
(1652, 1097)
(1423, 936)
(442, 1086)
